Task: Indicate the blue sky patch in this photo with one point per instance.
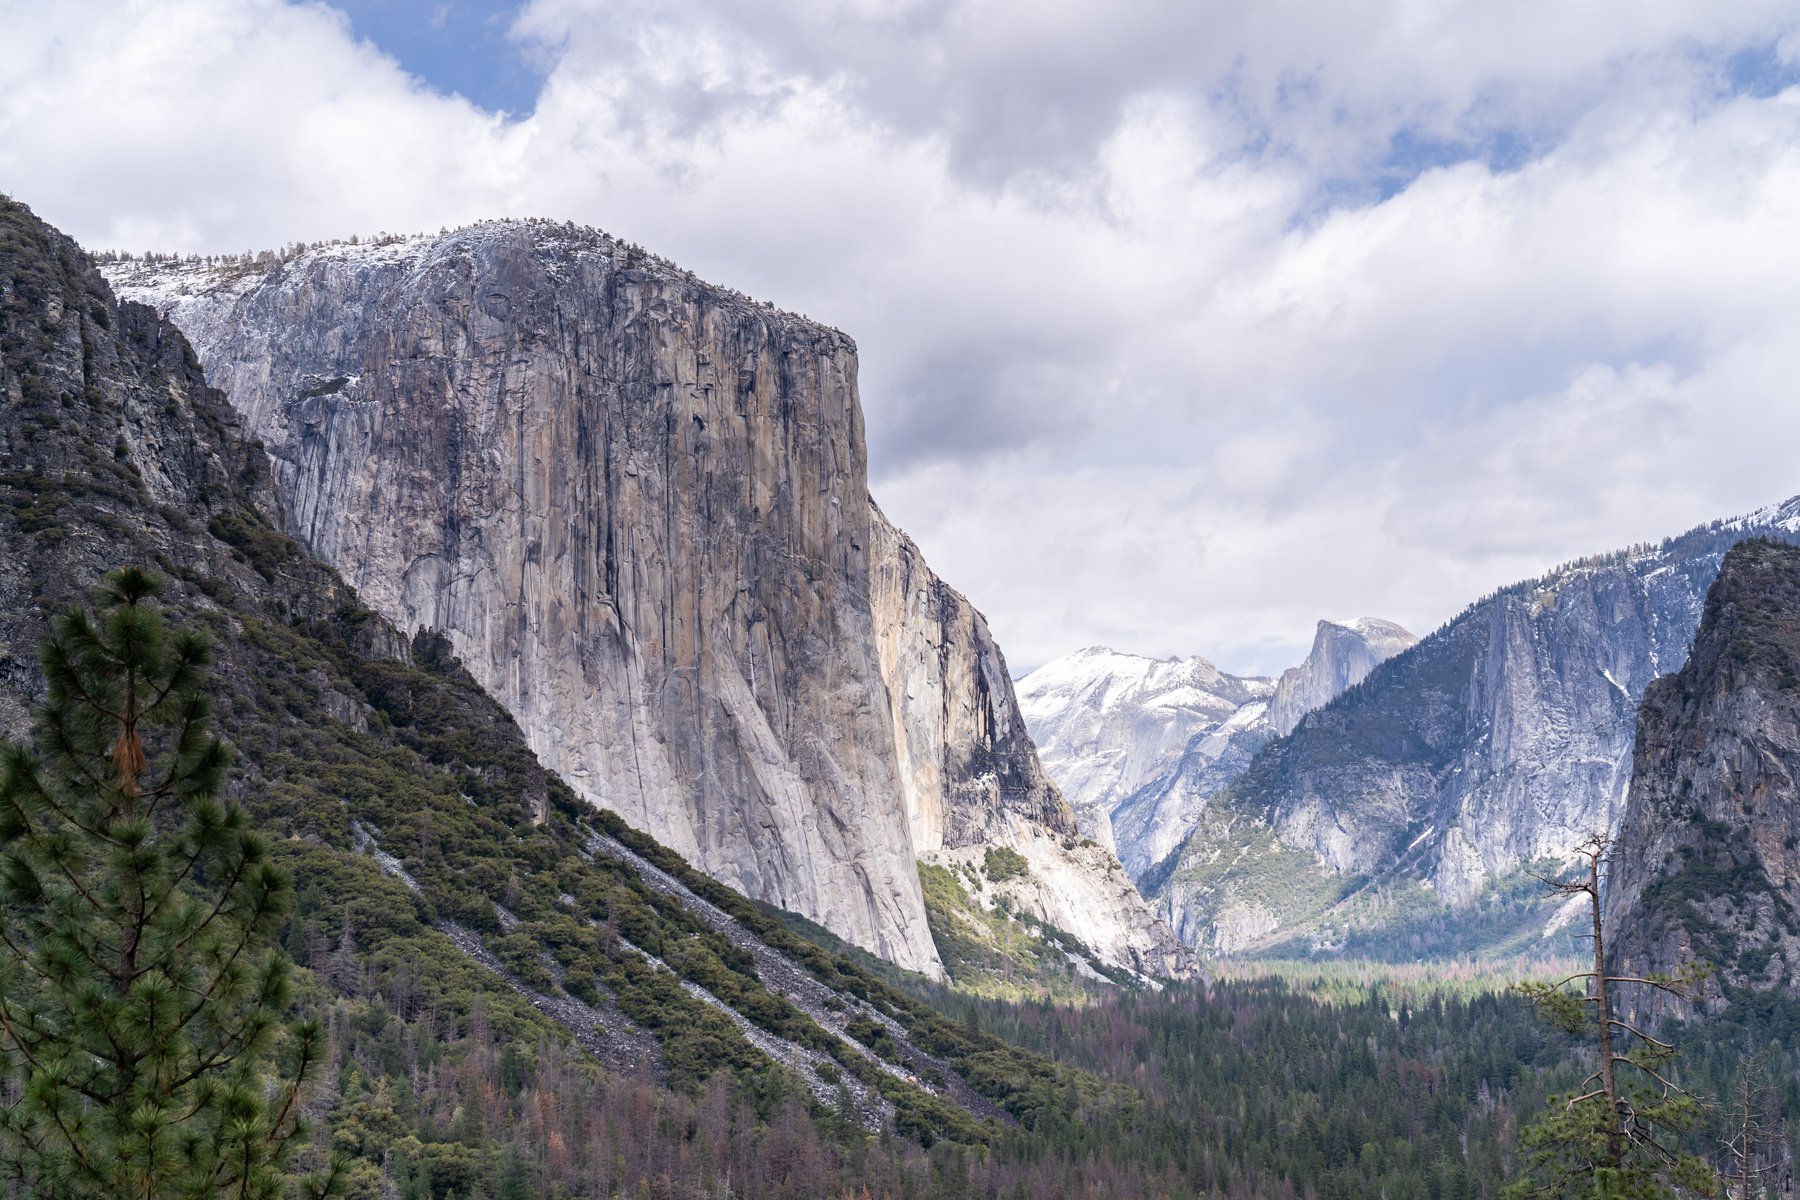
(454, 45)
(1760, 71)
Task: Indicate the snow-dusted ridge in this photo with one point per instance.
(163, 280)
(1503, 738)
(1113, 729)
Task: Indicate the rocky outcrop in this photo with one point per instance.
(638, 508)
(971, 776)
(1503, 738)
(115, 452)
(1341, 657)
(1707, 864)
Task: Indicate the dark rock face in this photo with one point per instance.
(638, 508)
(115, 452)
(1707, 864)
(1500, 739)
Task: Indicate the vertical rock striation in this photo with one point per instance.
(1341, 657)
(1707, 864)
(971, 776)
(637, 506)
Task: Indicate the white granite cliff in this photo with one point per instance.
(638, 507)
(971, 777)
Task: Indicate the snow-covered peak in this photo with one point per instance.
(1110, 726)
(1103, 679)
(1106, 723)
(1375, 627)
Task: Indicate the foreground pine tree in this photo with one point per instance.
(141, 1001)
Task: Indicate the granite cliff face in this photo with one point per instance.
(972, 778)
(1502, 738)
(638, 507)
(400, 796)
(1341, 657)
(1707, 865)
(1140, 744)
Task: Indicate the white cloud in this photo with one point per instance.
(1148, 357)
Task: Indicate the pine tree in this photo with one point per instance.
(141, 995)
(1618, 1137)
(514, 1183)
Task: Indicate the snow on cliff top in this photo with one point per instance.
(165, 282)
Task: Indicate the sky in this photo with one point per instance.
(1181, 324)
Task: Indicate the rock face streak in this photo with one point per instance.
(1707, 865)
(637, 505)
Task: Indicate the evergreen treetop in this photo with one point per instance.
(141, 1001)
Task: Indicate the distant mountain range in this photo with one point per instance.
(1117, 731)
(1399, 818)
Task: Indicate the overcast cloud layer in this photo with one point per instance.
(1182, 325)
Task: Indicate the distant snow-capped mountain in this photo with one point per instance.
(1115, 730)
(1107, 723)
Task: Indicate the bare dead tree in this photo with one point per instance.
(1752, 1130)
(1616, 1136)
